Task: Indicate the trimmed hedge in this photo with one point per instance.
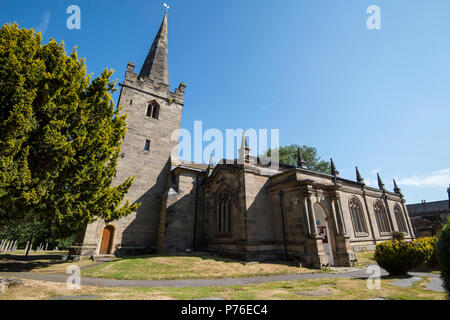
(399, 257)
(443, 254)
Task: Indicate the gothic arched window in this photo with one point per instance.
(382, 218)
(224, 211)
(153, 110)
(400, 219)
(356, 212)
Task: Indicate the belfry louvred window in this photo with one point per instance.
(153, 110)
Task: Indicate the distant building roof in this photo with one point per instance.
(429, 208)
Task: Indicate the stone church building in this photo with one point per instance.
(241, 209)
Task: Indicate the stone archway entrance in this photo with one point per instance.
(107, 240)
(325, 232)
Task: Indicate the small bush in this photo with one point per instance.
(399, 257)
(433, 261)
(443, 254)
(398, 235)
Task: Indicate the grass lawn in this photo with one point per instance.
(159, 267)
(365, 258)
(333, 289)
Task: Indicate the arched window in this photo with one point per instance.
(382, 218)
(356, 212)
(224, 211)
(400, 219)
(153, 110)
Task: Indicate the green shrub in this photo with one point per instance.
(398, 235)
(433, 261)
(443, 254)
(399, 257)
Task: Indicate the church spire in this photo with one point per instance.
(156, 65)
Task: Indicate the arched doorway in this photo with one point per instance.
(324, 230)
(107, 240)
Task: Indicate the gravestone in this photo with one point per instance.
(26, 247)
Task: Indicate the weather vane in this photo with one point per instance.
(167, 6)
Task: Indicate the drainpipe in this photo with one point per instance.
(282, 223)
(197, 184)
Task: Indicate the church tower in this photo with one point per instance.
(154, 113)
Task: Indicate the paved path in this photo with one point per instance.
(435, 284)
(62, 277)
(406, 282)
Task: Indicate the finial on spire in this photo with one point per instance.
(397, 190)
(448, 191)
(334, 171)
(300, 162)
(211, 165)
(359, 178)
(244, 151)
(167, 6)
(380, 183)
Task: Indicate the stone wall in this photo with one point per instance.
(179, 226)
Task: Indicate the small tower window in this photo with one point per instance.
(155, 114)
(153, 110)
(149, 110)
(147, 145)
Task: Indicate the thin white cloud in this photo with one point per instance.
(44, 23)
(439, 178)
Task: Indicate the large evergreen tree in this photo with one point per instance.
(60, 137)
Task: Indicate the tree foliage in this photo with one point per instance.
(289, 155)
(443, 254)
(40, 233)
(60, 137)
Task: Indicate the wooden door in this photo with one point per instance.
(107, 239)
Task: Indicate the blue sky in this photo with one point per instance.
(379, 99)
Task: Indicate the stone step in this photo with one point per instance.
(104, 257)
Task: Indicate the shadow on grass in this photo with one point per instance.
(18, 263)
